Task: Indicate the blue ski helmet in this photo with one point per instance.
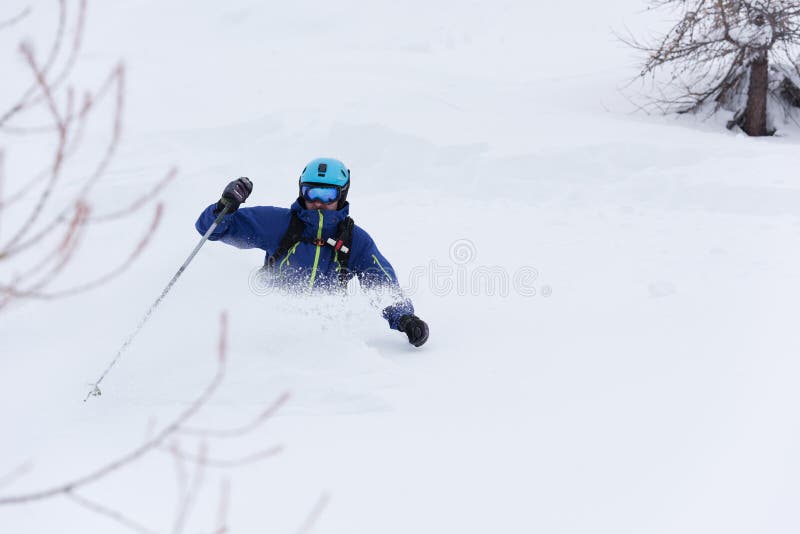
(327, 172)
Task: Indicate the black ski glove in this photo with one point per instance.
(234, 195)
(415, 328)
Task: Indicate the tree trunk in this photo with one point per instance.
(755, 114)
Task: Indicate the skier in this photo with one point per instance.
(314, 244)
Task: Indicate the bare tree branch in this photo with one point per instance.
(17, 245)
(227, 464)
(110, 513)
(48, 203)
(16, 19)
(236, 432)
(138, 203)
(15, 474)
(188, 482)
(58, 160)
(224, 505)
(63, 254)
(189, 496)
(31, 97)
(108, 276)
(2, 182)
(315, 514)
(142, 449)
(55, 49)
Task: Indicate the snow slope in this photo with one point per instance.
(648, 386)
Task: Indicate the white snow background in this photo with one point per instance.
(649, 385)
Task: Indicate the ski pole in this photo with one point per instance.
(95, 391)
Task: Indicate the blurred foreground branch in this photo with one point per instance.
(190, 468)
(46, 214)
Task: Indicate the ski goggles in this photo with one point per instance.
(324, 194)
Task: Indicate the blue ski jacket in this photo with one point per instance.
(306, 265)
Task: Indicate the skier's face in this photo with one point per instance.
(317, 205)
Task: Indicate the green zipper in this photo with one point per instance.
(375, 259)
(316, 255)
(288, 253)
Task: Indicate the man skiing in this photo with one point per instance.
(314, 245)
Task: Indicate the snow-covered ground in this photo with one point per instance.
(637, 375)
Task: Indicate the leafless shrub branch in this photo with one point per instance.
(224, 505)
(236, 432)
(15, 19)
(143, 449)
(189, 496)
(188, 481)
(315, 514)
(226, 463)
(57, 200)
(16, 473)
(110, 513)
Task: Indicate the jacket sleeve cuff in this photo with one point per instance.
(396, 311)
(205, 221)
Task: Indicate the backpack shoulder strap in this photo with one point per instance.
(345, 235)
(294, 233)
